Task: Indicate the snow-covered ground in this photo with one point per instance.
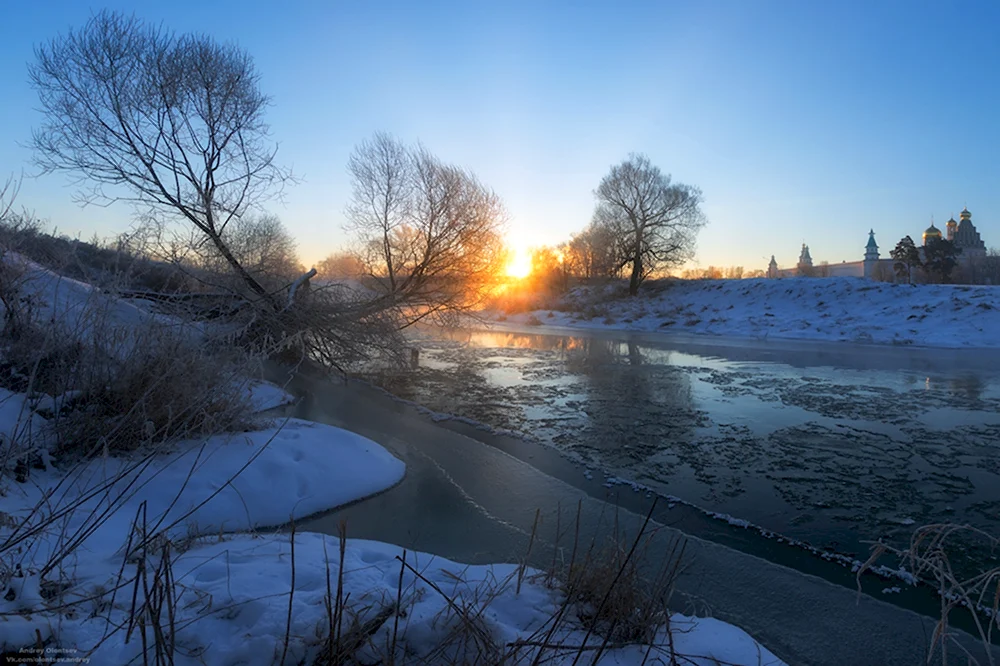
(836, 309)
(97, 557)
(233, 608)
(81, 309)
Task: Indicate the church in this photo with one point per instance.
(962, 233)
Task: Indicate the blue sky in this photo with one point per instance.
(801, 121)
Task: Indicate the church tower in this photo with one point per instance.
(772, 268)
(805, 261)
(967, 239)
(871, 255)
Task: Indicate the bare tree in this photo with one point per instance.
(8, 195)
(173, 124)
(656, 220)
(989, 267)
(549, 272)
(261, 245)
(593, 253)
(430, 235)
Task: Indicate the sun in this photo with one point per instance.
(519, 264)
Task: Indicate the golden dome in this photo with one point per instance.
(931, 232)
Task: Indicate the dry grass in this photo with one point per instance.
(930, 557)
(614, 598)
(107, 384)
(614, 592)
(166, 389)
(112, 388)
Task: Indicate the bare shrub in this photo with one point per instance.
(517, 300)
(109, 385)
(341, 265)
(166, 388)
(8, 195)
(620, 589)
(260, 243)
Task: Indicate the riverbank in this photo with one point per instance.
(180, 530)
(153, 551)
(468, 500)
(828, 309)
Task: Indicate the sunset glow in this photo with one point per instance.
(519, 265)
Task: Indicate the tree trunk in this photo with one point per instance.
(238, 267)
(633, 283)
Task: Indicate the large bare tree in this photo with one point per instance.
(655, 220)
(429, 234)
(171, 123)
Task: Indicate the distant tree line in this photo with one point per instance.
(722, 273)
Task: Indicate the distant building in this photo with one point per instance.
(963, 234)
(932, 233)
(805, 264)
(965, 237)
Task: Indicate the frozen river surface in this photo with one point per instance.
(832, 444)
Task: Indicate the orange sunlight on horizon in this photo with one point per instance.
(519, 264)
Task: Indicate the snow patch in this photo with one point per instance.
(265, 395)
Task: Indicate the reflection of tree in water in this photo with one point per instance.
(635, 409)
(508, 340)
(967, 386)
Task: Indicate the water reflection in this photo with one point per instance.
(967, 386)
(633, 406)
(835, 446)
(507, 340)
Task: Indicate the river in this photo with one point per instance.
(833, 445)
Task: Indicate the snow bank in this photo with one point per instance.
(228, 483)
(235, 605)
(82, 309)
(835, 309)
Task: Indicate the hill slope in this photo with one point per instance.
(836, 309)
